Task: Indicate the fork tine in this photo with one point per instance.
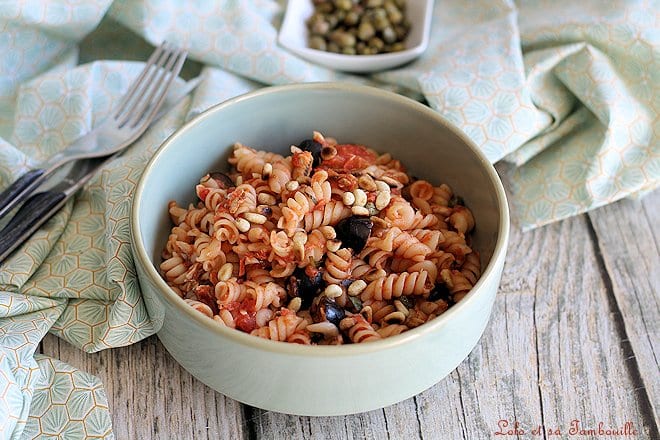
(138, 81)
(146, 84)
(152, 103)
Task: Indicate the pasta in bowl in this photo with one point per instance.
(380, 283)
(331, 244)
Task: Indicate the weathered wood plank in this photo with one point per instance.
(151, 396)
(396, 421)
(552, 353)
(628, 236)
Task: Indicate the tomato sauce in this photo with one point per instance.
(350, 157)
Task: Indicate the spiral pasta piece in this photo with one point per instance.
(337, 266)
(461, 219)
(230, 291)
(242, 199)
(249, 161)
(471, 268)
(280, 175)
(397, 284)
(456, 282)
(407, 246)
(391, 330)
(279, 328)
(330, 214)
(359, 330)
(200, 307)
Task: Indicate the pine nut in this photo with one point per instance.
(299, 238)
(382, 186)
(257, 219)
(360, 210)
(328, 232)
(325, 327)
(266, 199)
(383, 199)
(395, 317)
(242, 224)
(295, 304)
(266, 172)
(392, 182)
(356, 287)
(333, 245)
(367, 183)
(348, 198)
(333, 291)
(401, 308)
(360, 197)
(225, 271)
(291, 185)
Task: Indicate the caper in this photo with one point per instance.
(395, 16)
(333, 47)
(376, 43)
(389, 36)
(401, 32)
(366, 31)
(325, 7)
(320, 27)
(343, 4)
(397, 47)
(352, 18)
(332, 20)
(317, 42)
(343, 39)
(348, 50)
(374, 3)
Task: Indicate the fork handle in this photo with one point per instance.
(20, 190)
(34, 213)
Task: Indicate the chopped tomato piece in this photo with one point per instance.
(246, 322)
(350, 157)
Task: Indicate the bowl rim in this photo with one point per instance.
(258, 343)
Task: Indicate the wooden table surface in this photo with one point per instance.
(572, 345)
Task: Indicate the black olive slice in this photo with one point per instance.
(313, 147)
(354, 232)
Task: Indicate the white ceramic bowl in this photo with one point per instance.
(293, 35)
(319, 380)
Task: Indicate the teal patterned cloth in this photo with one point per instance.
(568, 92)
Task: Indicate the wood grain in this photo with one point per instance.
(151, 396)
(628, 235)
(573, 336)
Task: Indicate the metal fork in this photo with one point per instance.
(126, 124)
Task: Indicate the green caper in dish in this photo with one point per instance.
(358, 27)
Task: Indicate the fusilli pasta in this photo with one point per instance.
(332, 244)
